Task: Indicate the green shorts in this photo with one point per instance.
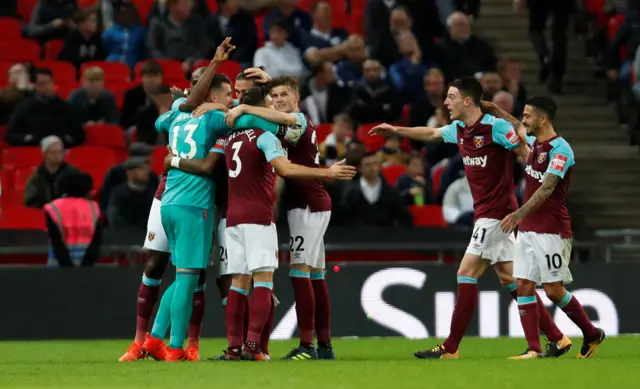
(189, 232)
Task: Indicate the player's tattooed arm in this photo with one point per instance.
(496, 111)
(511, 221)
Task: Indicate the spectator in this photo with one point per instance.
(298, 20)
(138, 96)
(181, 36)
(130, 202)
(505, 101)
(231, 21)
(279, 56)
(92, 102)
(18, 89)
(382, 41)
(349, 70)
(371, 201)
(323, 43)
(42, 187)
(466, 54)
(42, 115)
(453, 169)
(160, 10)
(636, 71)
(470, 7)
(407, 74)
(324, 96)
(83, 44)
(159, 102)
(457, 205)
(421, 110)
(375, 100)
(413, 187)
(74, 212)
(333, 148)
(491, 84)
(124, 41)
(509, 70)
(354, 153)
(256, 5)
(118, 174)
(628, 34)
(391, 153)
(52, 19)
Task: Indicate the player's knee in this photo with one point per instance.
(156, 264)
(555, 291)
(300, 267)
(263, 274)
(526, 288)
(241, 281)
(472, 266)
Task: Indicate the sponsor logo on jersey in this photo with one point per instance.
(475, 161)
(534, 173)
(558, 162)
(513, 137)
(478, 141)
(542, 157)
(151, 236)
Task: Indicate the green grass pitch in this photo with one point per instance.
(363, 363)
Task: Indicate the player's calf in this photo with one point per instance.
(260, 307)
(234, 313)
(305, 303)
(323, 314)
(197, 317)
(529, 317)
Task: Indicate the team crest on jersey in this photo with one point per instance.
(151, 236)
(478, 141)
(542, 157)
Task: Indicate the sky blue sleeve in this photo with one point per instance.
(215, 122)
(530, 139)
(270, 146)
(163, 122)
(301, 120)
(504, 134)
(449, 133)
(560, 158)
(176, 104)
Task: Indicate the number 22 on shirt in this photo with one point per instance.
(188, 141)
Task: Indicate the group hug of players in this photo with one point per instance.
(243, 146)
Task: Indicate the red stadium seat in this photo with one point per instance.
(372, 143)
(63, 91)
(105, 135)
(157, 159)
(19, 51)
(114, 72)
(391, 173)
(213, 5)
(230, 69)
(92, 156)
(63, 72)
(52, 49)
(10, 29)
(436, 175)
(25, 9)
(322, 131)
(21, 177)
(21, 218)
(86, 3)
(97, 172)
(172, 69)
(427, 216)
(406, 112)
(18, 157)
(340, 19)
(144, 7)
(6, 181)
(259, 21)
(357, 23)
(614, 25)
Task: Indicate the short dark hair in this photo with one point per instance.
(43, 72)
(242, 76)
(287, 81)
(469, 87)
(282, 23)
(84, 14)
(544, 105)
(253, 96)
(151, 68)
(218, 80)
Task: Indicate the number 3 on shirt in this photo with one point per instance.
(236, 158)
(193, 148)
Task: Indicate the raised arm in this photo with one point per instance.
(498, 112)
(288, 119)
(425, 134)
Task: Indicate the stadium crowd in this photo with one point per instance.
(359, 63)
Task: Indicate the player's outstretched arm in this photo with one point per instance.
(425, 134)
(291, 170)
(199, 92)
(288, 119)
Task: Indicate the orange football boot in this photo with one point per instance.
(133, 353)
(193, 353)
(155, 348)
(175, 355)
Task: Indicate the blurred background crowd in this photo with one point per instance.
(84, 81)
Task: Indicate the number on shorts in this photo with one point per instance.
(299, 240)
(236, 158)
(193, 148)
(554, 261)
(313, 140)
(475, 234)
(223, 254)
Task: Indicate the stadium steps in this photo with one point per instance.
(605, 190)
